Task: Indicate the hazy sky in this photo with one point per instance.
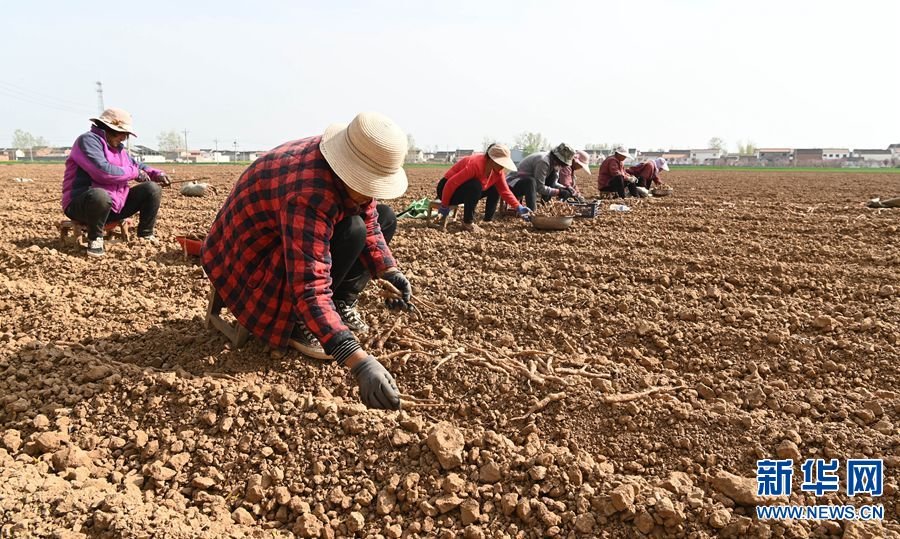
(648, 74)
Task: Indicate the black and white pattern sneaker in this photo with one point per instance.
(351, 317)
(95, 248)
(306, 343)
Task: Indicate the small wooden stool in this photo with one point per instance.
(236, 333)
(434, 206)
(122, 229)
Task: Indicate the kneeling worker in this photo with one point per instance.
(301, 235)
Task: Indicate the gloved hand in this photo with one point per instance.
(401, 283)
(377, 388)
(566, 193)
(163, 180)
(142, 177)
(444, 211)
(522, 211)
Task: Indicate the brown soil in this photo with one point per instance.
(603, 381)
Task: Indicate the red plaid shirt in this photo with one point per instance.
(268, 251)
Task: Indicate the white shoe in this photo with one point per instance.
(151, 239)
(95, 248)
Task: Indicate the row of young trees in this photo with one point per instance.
(529, 142)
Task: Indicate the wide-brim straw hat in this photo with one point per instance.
(581, 160)
(367, 155)
(623, 153)
(501, 155)
(117, 120)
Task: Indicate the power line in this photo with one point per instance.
(42, 96)
(35, 101)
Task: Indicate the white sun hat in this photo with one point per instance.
(117, 120)
(661, 164)
(368, 155)
(623, 153)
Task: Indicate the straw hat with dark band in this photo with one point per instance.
(117, 120)
(368, 155)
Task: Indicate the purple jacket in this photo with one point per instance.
(92, 163)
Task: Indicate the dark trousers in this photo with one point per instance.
(349, 276)
(523, 188)
(618, 185)
(93, 207)
(468, 194)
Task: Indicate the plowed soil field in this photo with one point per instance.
(619, 379)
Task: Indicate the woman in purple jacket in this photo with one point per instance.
(98, 171)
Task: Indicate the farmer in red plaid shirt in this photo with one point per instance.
(301, 235)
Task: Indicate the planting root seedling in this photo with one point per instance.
(620, 379)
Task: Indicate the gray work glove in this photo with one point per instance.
(401, 283)
(377, 388)
(142, 177)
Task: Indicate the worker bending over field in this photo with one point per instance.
(302, 234)
(475, 177)
(613, 177)
(647, 173)
(542, 168)
(95, 186)
(567, 178)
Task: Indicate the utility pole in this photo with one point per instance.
(100, 107)
(216, 142)
(185, 142)
(235, 151)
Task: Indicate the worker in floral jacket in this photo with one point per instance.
(300, 236)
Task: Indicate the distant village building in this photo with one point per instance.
(774, 157)
(147, 155)
(678, 157)
(444, 157)
(872, 157)
(835, 154)
(705, 156)
(807, 157)
(11, 154)
(415, 155)
(895, 151)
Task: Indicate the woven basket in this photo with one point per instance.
(662, 192)
(552, 223)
